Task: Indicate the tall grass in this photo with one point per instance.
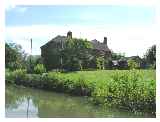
(133, 90)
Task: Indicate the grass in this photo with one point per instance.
(105, 75)
(134, 90)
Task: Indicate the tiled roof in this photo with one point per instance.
(56, 39)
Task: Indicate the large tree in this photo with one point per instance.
(76, 54)
(14, 56)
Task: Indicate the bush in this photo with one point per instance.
(39, 69)
(9, 76)
(16, 76)
(133, 64)
(100, 63)
(128, 90)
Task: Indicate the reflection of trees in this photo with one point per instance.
(50, 104)
(12, 98)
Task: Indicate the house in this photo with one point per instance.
(120, 64)
(52, 58)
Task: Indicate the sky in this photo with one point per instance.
(129, 29)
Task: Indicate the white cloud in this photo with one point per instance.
(128, 40)
(9, 4)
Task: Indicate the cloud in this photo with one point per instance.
(129, 40)
(9, 4)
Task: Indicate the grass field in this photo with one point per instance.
(105, 75)
(134, 90)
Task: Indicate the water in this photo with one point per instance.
(28, 102)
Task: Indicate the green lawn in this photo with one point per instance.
(105, 75)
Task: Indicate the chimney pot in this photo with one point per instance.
(105, 40)
(69, 34)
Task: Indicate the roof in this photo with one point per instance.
(96, 44)
(99, 46)
(56, 39)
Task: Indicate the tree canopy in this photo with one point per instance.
(76, 54)
(150, 56)
(14, 56)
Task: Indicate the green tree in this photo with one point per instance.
(100, 63)
(32, 61)
(132, 64)
(150, 56)
(117, 56)
(76, 54)
(14, 56)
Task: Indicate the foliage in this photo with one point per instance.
(14, 56)
(39, 69)
(150, 55)
(133, 64)
(76, 54)
(117, 56)
(32, 61)
(132, 89)
(127, 89)
(100, 63)
(15, 76)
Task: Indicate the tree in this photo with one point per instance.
(32, 61)
(100, 63)
(76, 54)
(132, 64)
(14, 56)
(150, 56)
(117, 56)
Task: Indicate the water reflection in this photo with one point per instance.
(27, 102)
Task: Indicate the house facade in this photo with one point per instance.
(51, 51)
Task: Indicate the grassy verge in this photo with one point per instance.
(134, 90)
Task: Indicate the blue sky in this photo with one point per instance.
(125, 26)
(87, 15)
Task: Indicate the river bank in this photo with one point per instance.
(133, 90)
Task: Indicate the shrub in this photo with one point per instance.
(128, 90)
(81, 87)
(100, 63)
(39, 69)
(133, 64)
(16, 76)
(9, 76)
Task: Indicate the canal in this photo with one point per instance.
(27, 102)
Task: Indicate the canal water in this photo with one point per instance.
(27, 102)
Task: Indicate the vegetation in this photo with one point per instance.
(14, 56)
(76, 54)
(150, 56)
(131, 89)
(39, 69)
(80, 58)
(32, 61)
(132, 64)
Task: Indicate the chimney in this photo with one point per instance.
(69, 34)
(105, 40)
